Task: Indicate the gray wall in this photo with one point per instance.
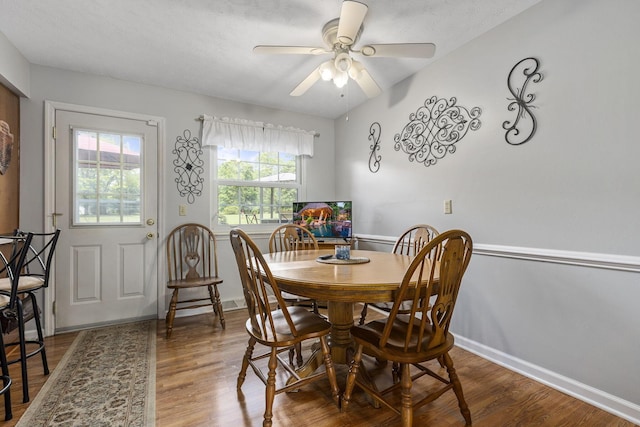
(555, 220)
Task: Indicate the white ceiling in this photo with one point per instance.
(205, 46)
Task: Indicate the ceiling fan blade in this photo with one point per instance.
(351, 17)
(295, 50)
(400, 50)
(366, 83)
(309, 81)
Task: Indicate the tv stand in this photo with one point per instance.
(332, 243)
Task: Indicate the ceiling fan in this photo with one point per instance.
(340, 35)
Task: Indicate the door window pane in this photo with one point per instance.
(107, 178)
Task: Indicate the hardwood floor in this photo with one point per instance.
(196, 373)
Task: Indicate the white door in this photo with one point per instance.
(106, 207)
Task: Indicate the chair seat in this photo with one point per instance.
(369, 336)
(307, 323)
(194, 283)
(25, 283)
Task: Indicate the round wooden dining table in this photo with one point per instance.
(341, 285)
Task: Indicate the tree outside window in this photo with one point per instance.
(255, 187)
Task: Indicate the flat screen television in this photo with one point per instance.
(326, 220)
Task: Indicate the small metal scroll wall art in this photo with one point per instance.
(524, 126)
(188, 165)
(374, 135)
(435, 128)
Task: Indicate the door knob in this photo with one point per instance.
(150, 221)
(150, 236)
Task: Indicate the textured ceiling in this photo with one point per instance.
(205, 46)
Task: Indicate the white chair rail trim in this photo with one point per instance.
(583, 259)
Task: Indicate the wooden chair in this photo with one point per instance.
(192, 262)
(409, 243)
(276, 326)
(33, 276)
(291, 237)
(422, 334)
(13, 252)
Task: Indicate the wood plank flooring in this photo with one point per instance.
(196, 375)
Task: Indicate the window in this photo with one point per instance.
(107, 188)
(256, 187)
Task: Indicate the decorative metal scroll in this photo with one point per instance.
(374, 135)
(524, 126)
(188, 165)
(435, 128)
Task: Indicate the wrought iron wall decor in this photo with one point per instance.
(374, 135)
(435, 128)
(188, 165)
(524, 126)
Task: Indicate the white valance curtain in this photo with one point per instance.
(256, 136)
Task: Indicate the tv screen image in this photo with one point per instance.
(325, 220)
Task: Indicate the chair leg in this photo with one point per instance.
(245, 363)
(171, 314)
(270, 391)
(296, 351)
(6, 380)
(396, 372)
(363, 314)
(457, 388)
(214, 295)
(23, 352)
(330, 369)
(292, 352)
(43, 353)
(406, 410)
(351, 379)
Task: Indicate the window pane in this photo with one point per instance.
(131, 154)
(249, 186)
(107, 182)
(228, 204)
(109, 148)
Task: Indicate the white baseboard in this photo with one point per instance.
(598, 398)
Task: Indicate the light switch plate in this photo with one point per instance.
(447, 207)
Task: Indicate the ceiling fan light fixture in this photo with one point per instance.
(343, 62)
(327, 70)
(340, 79)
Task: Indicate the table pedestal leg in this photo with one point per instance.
(342, 350)
(341, 318)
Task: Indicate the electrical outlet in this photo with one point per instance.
(182, 210)
(447, 207)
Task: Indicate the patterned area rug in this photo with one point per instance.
(106, 378)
